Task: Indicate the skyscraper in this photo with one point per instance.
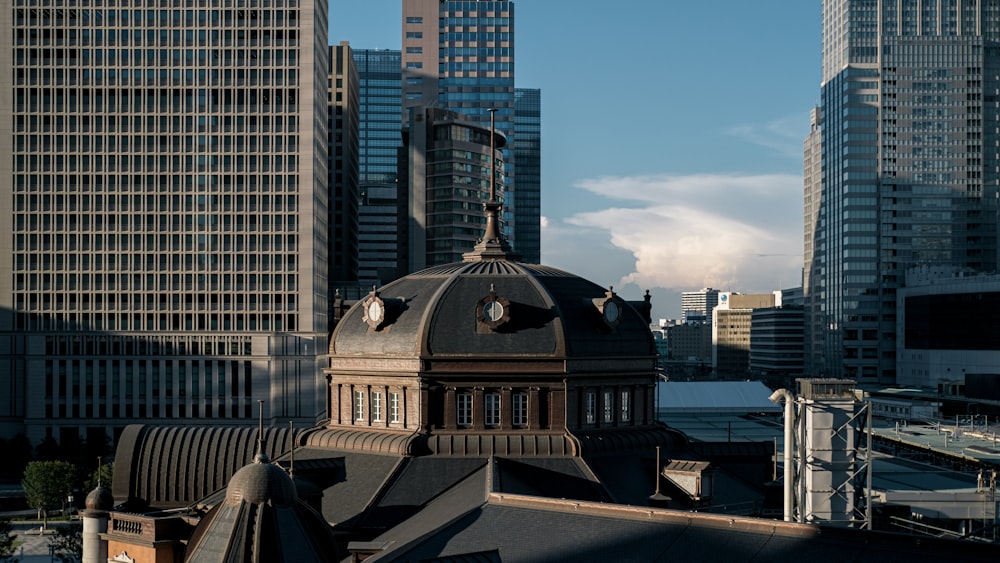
(343, 128)
(380, 138)
(164, 199)
(447, 178)
(909, 149)
(528, 155)
(459, 55)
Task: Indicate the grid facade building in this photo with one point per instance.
(909, 155)
(381, 219)
(698, 305)
(776, 343)
(731, 323)
(165, 196)
(343, 127)
(528, 154)
(459, 55)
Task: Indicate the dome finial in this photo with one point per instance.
(492, 246)
(260, 456)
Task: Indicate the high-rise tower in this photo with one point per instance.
(164, 202)
(459, 55)
(380, 139)
(907, 137)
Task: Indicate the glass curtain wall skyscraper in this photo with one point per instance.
(380, 139)
(164, 198)
(459, 55)
(907, 137)
(528, 155)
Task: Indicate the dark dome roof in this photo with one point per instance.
(552, 314)
(99, 499)
(261, 482)
(262, 521)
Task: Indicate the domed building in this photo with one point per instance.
(486, 410)
(491, 356)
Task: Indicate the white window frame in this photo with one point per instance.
(463, 409)
(376, 406)
(492, 411)
(590, 407)
(609, 406)
(393, 407)
(359, 405)
(519, 409)
(626, 406)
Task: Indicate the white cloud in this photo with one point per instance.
(783, 136)
(731, 232)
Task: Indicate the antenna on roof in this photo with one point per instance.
(261, 457)
(658, 499)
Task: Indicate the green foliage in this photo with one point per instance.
(68, 543)
(48, 483)
(6, 541)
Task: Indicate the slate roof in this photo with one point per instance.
(431, 314)
(518, 528)
(162, 467)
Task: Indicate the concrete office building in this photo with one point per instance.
(907, 137)
(165, 203)
(698, 305)
(343, 127)
(459, 55)
(731, 322)
(381, 217)
(776, 344)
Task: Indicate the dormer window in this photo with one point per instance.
(590, 407)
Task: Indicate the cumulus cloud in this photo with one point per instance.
(731, 232)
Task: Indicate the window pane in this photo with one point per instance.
(464, 409)
(492, 409)
(520, 408)
(394, 407)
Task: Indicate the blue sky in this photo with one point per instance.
(671, 135)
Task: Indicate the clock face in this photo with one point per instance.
(611, 312)
(375, 311)
(493, 311)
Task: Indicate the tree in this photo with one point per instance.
(7, 541)
(47, 484)
(68, 543)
